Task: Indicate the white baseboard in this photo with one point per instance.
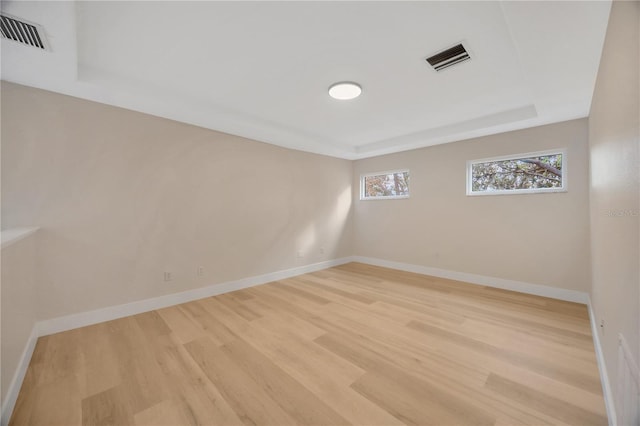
(11, 236)
(83, 319)
(18, 377)
(520, 286)
(604, 377)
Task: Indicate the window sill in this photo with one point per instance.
(11, 236)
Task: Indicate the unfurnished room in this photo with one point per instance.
(375, 213)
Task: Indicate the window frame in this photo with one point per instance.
(383, 197)
(563, 188)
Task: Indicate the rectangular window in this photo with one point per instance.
(384, 185)
(517, 174)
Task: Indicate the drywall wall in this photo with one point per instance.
(18, 315)
(614, 139)
(121, 197)
(533, 238)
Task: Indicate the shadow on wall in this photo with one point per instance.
(312, 243)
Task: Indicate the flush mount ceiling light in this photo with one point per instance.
(345, 90)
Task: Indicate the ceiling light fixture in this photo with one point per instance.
(345, 90)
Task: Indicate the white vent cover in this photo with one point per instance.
(449, 57)
(24, 32)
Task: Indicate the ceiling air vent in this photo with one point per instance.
(22, 31)
(449, 57)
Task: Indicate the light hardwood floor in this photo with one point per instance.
(354, 344)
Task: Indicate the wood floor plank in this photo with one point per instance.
(101, 367)
(553, 388)
(553, 406)
(567, 374)
(430, 315)
(107, 408)
(234, 322)
(236, 304)
(292, 324)
(215, 330)
(61, 355)
(324, 373)
(166, 413)
(193, 396)
(294, 286)
(311, 281)
(407, 397)
(300, 403)
(142, 380)
(417, 357)
(301, 354)
(181, 324)
(467, 380)
(53, 403)
(250, 401)
(355, 344)
(416, 403)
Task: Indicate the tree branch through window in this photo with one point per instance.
(512, 174)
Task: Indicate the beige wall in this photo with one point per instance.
(18, 315)
(535, 238)
(122, 197)
(614, 139)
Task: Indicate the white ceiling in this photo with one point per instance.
(262, 69)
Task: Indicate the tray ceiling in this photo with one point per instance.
(262, 69)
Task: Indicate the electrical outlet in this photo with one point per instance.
(321, 250)
(200, 271)
(300, 254)
(168, 276)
